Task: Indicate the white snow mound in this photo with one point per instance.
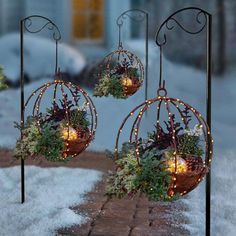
(39, 57)
(49, 194)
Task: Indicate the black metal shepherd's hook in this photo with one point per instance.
(27, 24)
(203, 19)
(138, 16)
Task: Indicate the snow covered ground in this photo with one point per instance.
(188, 85)
(49, 194)
(223, 213)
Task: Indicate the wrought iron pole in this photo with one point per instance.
(22, 107)
(56, 36)
(139, 18)
(208, 112)
(146, 57)
(207, 22)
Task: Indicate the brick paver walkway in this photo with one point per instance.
(115, 217)
(128, 217)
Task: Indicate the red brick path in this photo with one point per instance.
(114, 217)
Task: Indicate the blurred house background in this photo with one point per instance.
(90, 25)
(180, 48)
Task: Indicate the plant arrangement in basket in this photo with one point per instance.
(3, 84)
(121, 81)
(155, 172)
(58, 134)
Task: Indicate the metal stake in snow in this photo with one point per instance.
(27, 24)
(138, 16)
(203, 20)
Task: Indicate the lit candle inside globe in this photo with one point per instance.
(126, 81)
(181, 165)
(69, 134)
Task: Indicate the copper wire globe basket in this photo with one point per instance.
(122, 71)
(68, 95)
(173, 116)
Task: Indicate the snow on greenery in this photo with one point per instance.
(49, 194)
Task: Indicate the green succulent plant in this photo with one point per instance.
(109, 85)
(27, 146)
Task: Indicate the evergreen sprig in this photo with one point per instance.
(50, 144)
(154, 179)
(78, 119)
(150, 177)
(189, 145)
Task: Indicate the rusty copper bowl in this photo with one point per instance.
(131, 89)
(75, 147)
(187, 181)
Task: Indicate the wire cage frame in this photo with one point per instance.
(138, 16)
(83, 137)
(182, 183)
(124, 64)
(127, 66)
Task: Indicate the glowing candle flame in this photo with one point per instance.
(69, 134)
(181, 165)
(126, 81)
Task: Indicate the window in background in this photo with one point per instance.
(88, 20)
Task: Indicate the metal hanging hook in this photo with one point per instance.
(160, 76)
(161, 91)
(56, 61)
(120, 46)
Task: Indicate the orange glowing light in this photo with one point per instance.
(69, 134)
(126, 81)
(181, 165)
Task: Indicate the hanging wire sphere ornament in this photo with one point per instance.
(72, 118)
(121, 74)
(181, 141)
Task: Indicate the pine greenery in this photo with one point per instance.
(154, 179)
(189, 145)
(151, 177)
(50, 144)
(78, 119)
